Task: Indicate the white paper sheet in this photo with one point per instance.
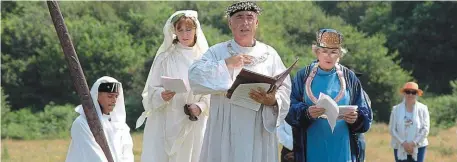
(241, 97)
(331, 109)
(346, 108)
(174, 84)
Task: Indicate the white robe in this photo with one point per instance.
(84, 148)
(169, 135)
(284, 133)
(234, 133)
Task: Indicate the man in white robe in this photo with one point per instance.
(234, 133)
(108, 98)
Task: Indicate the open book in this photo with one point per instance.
(247, 76)
(331, 109)
(333, 112)
(241, 97)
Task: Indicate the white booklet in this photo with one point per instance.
(331, 109)
(346, 108)
(174, 84)
(241, 97)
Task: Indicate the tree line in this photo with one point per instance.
(390, 42)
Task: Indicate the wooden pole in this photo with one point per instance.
(79, 80)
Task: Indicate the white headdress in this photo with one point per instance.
(118, 113)
(201, 46)
(169, 33)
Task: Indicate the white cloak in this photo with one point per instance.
(169, 135)
(84, 148)
(234, 133)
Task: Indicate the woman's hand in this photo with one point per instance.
(315, 111)
(407, 147)
(350, 117)
(167, 95)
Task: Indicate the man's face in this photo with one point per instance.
(107, 101)
(243, 24)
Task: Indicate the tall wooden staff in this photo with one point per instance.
(78, 78)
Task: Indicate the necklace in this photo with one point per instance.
(254, 60)
(310, 79)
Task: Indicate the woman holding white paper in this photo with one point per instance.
(169, 134)
(314, 140)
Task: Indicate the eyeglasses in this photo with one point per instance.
(413, 92)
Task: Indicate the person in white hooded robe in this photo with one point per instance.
(108, 97)
(170, 135)
(235, 133)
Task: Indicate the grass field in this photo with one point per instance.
(442, 148)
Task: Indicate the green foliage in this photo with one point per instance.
(54, 122)
(5, 108)
(34, 62)
(443, 109)
(382, 77)
(120, 39)
(4, 103)
(420, 32)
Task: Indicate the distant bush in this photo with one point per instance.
(443, 109)
(54, 122)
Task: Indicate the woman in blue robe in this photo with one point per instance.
(313, 137)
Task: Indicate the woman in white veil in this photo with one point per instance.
(170, 134)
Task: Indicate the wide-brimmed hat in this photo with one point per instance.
(412, 86)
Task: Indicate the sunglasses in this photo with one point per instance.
(410, 92)
(187, 112)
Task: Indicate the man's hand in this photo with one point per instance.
(167, 95)
(238, 61)
(350, 117)
(195, 110)
(261, 96)
(315, 111)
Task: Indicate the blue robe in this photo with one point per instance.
(313, 140)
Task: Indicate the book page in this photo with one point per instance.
(331, 109)
(345, 109)
(174, 84)
(240, 96)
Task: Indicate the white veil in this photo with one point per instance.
(165, 49)
(169, 34)
(117, 132)
(118, 114)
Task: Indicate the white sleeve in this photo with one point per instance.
(127, 148)
(273, 115)
(204, 104)
(152, 98)
(83, 146)
(393, 127)
(152, 92)
(284, 134)
(425, 129)
(209, 75)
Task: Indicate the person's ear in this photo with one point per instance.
(229, 23)
(314, 49)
